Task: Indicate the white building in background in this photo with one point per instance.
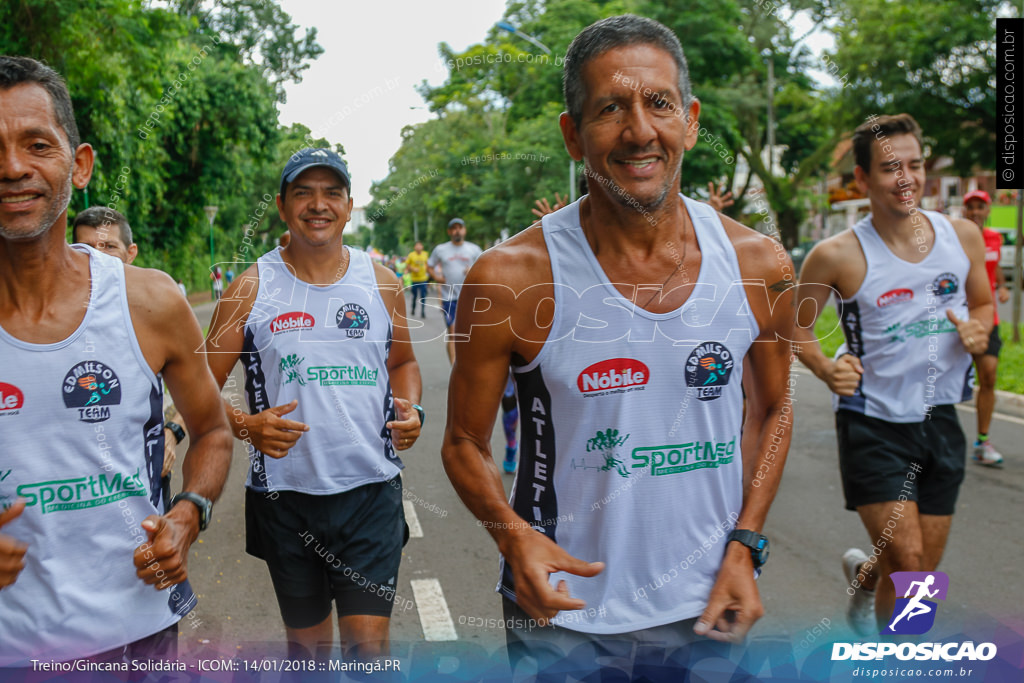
(359, 220)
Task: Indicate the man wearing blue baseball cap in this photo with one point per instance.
(322, 333)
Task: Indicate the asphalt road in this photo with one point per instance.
(802, 586)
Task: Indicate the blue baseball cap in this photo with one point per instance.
(311, 158)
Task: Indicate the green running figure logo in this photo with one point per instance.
(290, 369)
(606, 442)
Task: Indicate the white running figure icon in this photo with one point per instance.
(915, 607)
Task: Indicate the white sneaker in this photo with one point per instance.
(986, 454)
(860, 613)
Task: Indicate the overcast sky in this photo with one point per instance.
(360, 91)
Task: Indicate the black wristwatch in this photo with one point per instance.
(179, 433)
(204, 505)
(422, 414)
(757, 543)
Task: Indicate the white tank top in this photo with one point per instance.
(82, 428)
(327, 347)
(896, 324)
(631, 432)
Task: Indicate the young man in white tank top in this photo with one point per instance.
(86, 340)
(629, 318)
(914, 303)
(332, 385)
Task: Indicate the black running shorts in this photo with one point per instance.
(344, 547)
(994, 343)
(884, 461)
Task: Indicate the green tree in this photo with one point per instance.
(934, 60)
(503, 96)
(180, 106)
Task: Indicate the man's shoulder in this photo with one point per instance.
(154, 298)
(836, 247)
(150, 280)
(759, 255)
(520, 261)
(747, 239)
(383, 275)
(967, 232)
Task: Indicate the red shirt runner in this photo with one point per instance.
(993, 245)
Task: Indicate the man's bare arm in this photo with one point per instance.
(734, 604)
(491, 331)
(403, 370)
(269, 431)
(974, 331)
(168, 331)
(817, 284)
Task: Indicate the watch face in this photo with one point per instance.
(204, 516)
(762, 551)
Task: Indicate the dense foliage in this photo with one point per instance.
(180, 106)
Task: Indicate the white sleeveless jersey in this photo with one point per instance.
(327, 347)
(631, 432)
(896, 324)
(82, 429)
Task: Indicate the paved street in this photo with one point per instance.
(448, 573)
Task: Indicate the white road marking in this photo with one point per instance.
(415, 530)
(435, 618)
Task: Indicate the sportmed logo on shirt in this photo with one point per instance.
(79, 493)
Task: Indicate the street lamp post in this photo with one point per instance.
(505, 26)
(211, 213)
(769, 58)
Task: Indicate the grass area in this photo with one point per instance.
(827, 330)
(1003, 216)
(1011, 362)
(1011, 357)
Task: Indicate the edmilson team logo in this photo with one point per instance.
(354, 319)
(11, 399)
(914, 613)
(290, 322)
(91, 388)
(708, 369)
(945, 286)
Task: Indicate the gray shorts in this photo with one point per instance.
(555, 653)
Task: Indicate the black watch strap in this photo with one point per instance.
(203, 504)
(176, 429)
(757, 543)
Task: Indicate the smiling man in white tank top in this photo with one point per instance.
(88, 565)
(332, 386)
(633, 320)
(914, 303)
